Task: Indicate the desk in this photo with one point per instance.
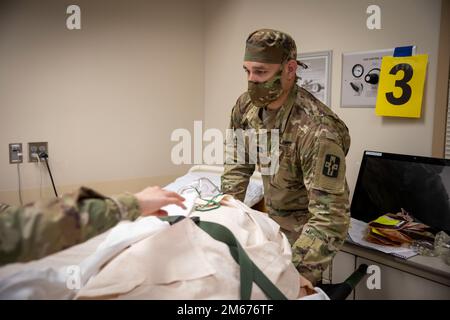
(419, 277)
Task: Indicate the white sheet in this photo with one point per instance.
(49, 278)
(45, 279)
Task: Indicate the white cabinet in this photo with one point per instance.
(399, 280)
(342, 267)
(397, 284)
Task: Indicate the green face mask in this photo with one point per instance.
(265, 92)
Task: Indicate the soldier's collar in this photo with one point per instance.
(252, 118)
(285, 110)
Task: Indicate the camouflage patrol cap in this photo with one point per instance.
(270, 46)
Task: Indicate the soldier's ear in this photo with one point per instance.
(291, 68)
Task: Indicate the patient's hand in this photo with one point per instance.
(151, 200)
(306, 287)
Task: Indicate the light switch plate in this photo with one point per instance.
(15, 153)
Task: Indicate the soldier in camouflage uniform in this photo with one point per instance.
(39, 229)
(308, 194)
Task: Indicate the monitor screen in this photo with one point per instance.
(388, 182)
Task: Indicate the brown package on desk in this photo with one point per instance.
(398, 229)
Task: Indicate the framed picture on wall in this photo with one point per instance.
(316, 78)
(360, 75)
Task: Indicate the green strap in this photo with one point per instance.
(249, 272)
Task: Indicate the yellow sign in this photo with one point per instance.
(400, 89)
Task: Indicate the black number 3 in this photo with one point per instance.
(402, 83)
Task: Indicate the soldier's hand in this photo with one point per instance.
(151, 200)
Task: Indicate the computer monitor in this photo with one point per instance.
(388, 182)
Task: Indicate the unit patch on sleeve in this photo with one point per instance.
(329, 170)
(331, 166)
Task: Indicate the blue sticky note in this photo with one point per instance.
(403, 51)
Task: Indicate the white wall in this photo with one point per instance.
(324, 25)
(106, 97)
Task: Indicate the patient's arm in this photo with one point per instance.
(41, 228)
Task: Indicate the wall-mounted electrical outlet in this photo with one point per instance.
(36, 148)
(15, 153)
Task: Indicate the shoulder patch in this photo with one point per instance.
(331, 165)
(329, 171)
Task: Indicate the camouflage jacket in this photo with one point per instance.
(41, 228)
(309, 190)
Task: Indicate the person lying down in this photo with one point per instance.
(206, 255)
